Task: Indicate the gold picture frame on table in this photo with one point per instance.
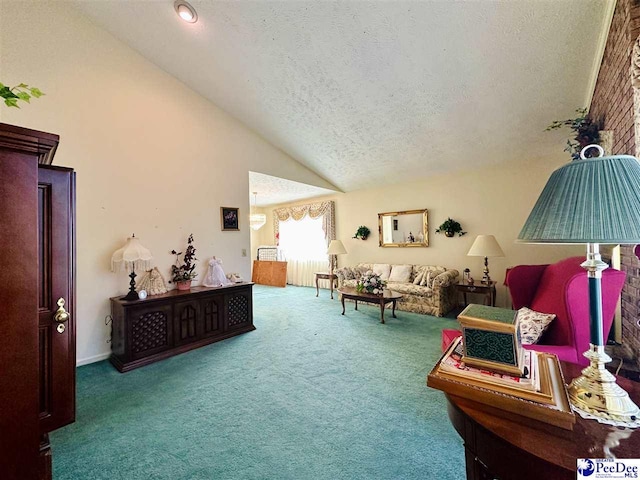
(549, 405)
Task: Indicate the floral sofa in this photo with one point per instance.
(427, 289)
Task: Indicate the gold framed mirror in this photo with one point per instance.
(404, 229)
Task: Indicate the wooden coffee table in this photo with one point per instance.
(389, 296)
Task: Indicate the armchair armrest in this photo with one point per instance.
(445, 279)
(523, 282)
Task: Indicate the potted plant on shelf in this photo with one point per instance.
(586, 132)
(362, 232)
(450, 227)
(182, 274)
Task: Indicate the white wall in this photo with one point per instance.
(151, 156)
(490, 200)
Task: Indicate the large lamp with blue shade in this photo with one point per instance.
(592, 201)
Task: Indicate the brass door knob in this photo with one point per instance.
(61, 314)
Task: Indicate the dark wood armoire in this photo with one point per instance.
(37, 300)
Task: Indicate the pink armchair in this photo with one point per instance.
(561, 288)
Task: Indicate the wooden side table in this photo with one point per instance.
(489, 292)
(332, 277)
(501, 447)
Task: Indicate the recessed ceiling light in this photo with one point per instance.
(185, 11)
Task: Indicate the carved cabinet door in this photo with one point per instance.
(212, 308)
(239, 310)
(56, 309)
(149, 330)
(186, 318)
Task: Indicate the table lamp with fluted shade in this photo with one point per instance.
(485, 246)
(133, 256)
(592, 201)
(335, 248)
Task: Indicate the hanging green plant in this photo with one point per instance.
(19, 92)
(586, 132)
(450, 227)
(362, 232)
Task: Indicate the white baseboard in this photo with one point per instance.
(95, 358)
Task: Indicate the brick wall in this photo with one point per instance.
(612, 102)
(612, 105)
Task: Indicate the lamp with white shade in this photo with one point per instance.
(335, 248)
(256, 220)
(485, 246)
(592, 201)
(133, 256)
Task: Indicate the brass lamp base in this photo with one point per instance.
(597, 393)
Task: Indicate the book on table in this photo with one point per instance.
(532, 385)
(540, 394)
(453, 362)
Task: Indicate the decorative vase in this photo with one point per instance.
(449, 233)
(184, 285)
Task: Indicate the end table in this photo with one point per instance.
(332, 277)
(488, 290)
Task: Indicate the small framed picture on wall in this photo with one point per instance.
(229, 219)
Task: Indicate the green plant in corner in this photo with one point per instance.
(20, 92)
(362, 232)
(450, 227)
(586, 132)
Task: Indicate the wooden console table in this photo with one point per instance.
(496, 447)
(145, 331)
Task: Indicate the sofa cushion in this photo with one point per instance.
(533, 324)
(418, 279)
(382, 269)
(410, 288)
(349, 273)
(426, 279)
(417, 270)
(400, 273)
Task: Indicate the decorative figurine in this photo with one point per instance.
(215, 275)
(152, 282)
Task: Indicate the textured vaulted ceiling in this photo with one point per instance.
(367, 93)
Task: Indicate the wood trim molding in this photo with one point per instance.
(33, 142)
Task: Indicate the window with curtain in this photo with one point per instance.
(303, 239)
(303, 233)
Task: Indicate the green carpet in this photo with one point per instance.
(310, 394)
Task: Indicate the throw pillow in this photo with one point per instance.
(349, 273)
(426, 279)
(418, 279)
(533, 324)
(382, 269)
(360, 271)
(400, 273)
